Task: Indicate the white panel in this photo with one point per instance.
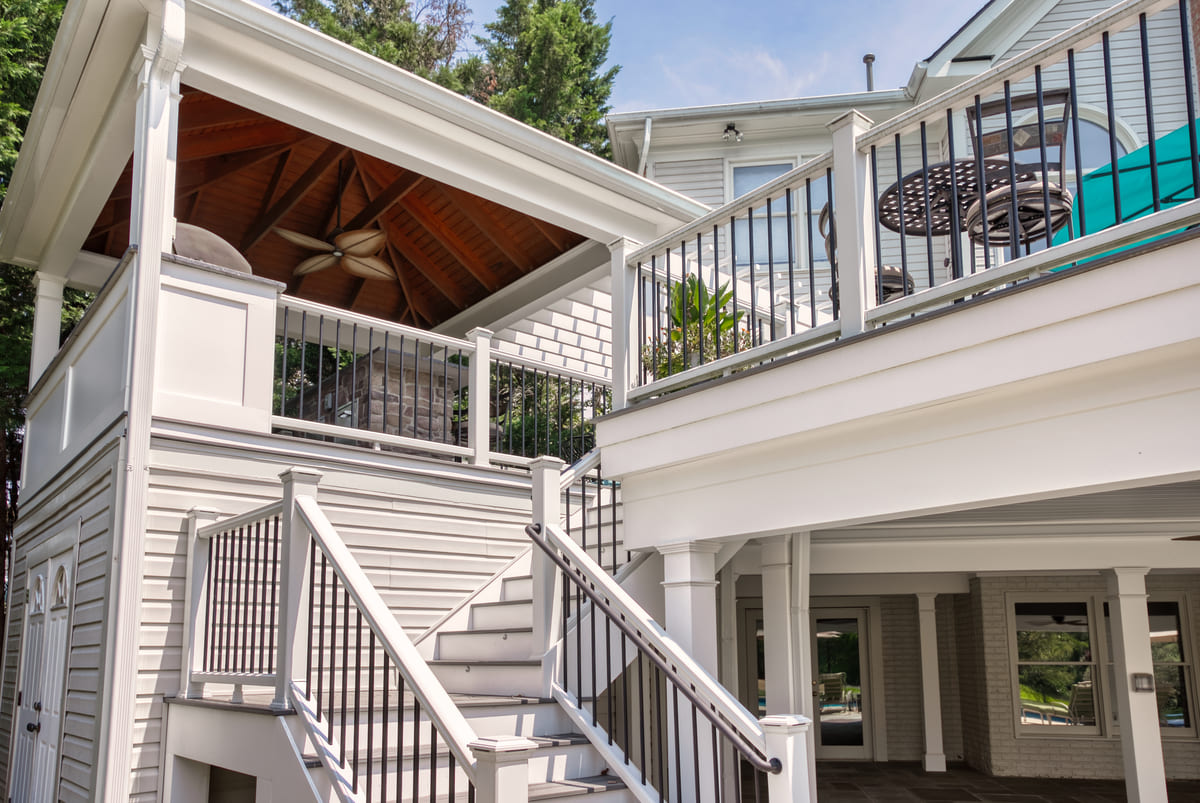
(202, 346)
(44, 435)
(96, 377)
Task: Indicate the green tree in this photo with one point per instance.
(423, 39)
(547, 58)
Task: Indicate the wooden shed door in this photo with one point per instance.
(43, 674)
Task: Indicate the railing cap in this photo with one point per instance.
(502, 744)
(785, 723)
(301, 474)
(480, 331)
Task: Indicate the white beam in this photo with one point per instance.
(1141, 743)
(934, 758)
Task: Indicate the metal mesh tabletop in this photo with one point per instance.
(902, 206)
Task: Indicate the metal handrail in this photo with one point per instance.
(749, 751)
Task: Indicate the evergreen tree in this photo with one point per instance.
(422, 39)
(546, 57)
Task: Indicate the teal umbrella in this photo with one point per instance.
(1176, 184)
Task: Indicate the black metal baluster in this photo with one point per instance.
(1112, 127)
(716, 246)
(321, 635)
(383, 733)
(312, 602)
(733, 278)
(981, 173)
(357, 689)
(1041, 124)
(209, 619)
(345, 669)
(1149, 101)
(1189, 92)
(678, 757)
(639, 303)
(383, 423)
(1074, 92)
(754, 329)
(955, 221)
(900, 208)
(699, 285)
(371, 708)
(252, 613)
(355, 402)
(433, 773)
(663, 776)
(333, 613)
(239, 610)
(695, 748)
(509, 413)
(416, 751)
(716, 765)
(829, 199)
(657, 321)
(303, 361)
(429, 390)
(445, 395)
(791, 262)
(592, 627)
(683, 276)
(283, 364)
(370, 374)
(641, 684)
(771, 265)
(337, 370)
(275, 598)
(400, 730)
(928, 227)
(669, 321)
(566, 614)
(320, 368)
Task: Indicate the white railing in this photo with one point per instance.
(983, 186)
(349, 377)
(276, 599)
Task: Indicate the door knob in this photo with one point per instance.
(37, 706)
(33, 727)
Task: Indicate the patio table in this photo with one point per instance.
(908, 194)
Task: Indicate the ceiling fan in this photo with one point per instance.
(1195, 537)
(354, 250)
(1060, 619)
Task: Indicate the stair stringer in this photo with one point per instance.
(458, 617)
(629, 775)
(340, 780)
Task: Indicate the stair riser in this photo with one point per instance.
(545, 764)
(490, 679)
(470, 646)
(516, 588)
(490, 617)
(528, 719)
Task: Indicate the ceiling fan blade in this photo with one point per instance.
(303, 240)
(360, 242)
(314, 264)
(368, 267)
(1187, 537)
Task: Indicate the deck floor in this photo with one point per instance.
(900, 782)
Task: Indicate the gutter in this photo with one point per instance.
(645, 155)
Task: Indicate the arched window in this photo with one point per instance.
(1093, 146)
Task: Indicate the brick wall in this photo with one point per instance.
(968, 620)
(992, 744)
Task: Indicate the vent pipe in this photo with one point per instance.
(869, 60)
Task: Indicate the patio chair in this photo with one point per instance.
(833, 689)
(1081, 710)
(1021, 213)
(889, 280)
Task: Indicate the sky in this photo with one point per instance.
(702, 52)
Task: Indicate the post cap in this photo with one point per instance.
(502, 744)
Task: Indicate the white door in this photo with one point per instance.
(841, 693)
(43, 673)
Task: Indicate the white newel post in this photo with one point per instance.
(777, 625)
(853, 217)
(195, 598)
(547, 509)
(931, 689)
(787, 736)
(1141, 742)
(502, 769)
(624, 321)
(478, 397)
(293, 557)
(157, 66)
(47, 323)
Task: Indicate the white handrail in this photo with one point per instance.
(424, 685)
(346, 316)
(725, 704)
(582, 466)
(233, 522)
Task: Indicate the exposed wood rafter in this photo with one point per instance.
(481, 217)
(259, 228)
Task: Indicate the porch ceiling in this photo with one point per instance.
(241, 174)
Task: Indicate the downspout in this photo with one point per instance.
(645, 154)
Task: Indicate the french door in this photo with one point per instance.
(841, 689)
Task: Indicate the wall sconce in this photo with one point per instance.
(1142, 682)
(731, 134)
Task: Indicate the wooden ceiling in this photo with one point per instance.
(241, 174)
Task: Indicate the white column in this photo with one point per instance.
(690, 600)
(1141, 745)
(547, 582)
(777, 625)
(802, 641)
(931, 690)
(47, 323)
(855, 225)
(786, 740)
(151, 218)
(293, 558)
(502, 765)
(624, 321)
(479, 397)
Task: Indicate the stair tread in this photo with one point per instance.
(574, 786)
(490, 631)
(502, 602)
(484, 662)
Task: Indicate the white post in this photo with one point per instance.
(47, 323)
(624, 322)
(479, 397)
(855, 227)
(802, 621)
(293, 557)
(151, 218)
(777, 625)
(690, 600)
(931, 690)
(1141, 742)
(787, 736)
(195, 599)
(502, 768)
(547, 509)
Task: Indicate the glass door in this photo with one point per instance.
(840, 694)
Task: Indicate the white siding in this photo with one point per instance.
(700, 179)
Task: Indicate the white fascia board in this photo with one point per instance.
(82, 122)
(993, 33)
(267, 62)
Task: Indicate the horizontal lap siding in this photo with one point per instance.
(426, 542)
(700, 179)
(86, 508)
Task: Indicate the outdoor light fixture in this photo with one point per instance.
(1143, 681)
(731, 133)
